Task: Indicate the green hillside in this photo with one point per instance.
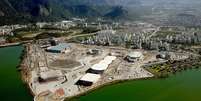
(20, 11)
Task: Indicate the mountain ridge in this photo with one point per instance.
(154, 11)
(52, 10)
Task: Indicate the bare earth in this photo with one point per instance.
(73, 66)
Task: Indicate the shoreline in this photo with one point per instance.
(19, 68)
(114, 83)
(104, 85)
(10, 44)
(24, 70)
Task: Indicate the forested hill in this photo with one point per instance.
(15, 11)
(168, 12)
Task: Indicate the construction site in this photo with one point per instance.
(69, 69)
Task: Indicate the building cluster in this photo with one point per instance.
(49, 75)
(42, 24)
(94, 52)
(135, 40)
(184, 38)
(54, 46)
(65, 24)
(172, 56)
(60, 48)
(134, 56)
(45, 79)
(7, 30)
(94, 73)
(2, 40)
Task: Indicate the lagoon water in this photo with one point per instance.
(184, 86)
(11, 86)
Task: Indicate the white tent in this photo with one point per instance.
(89, 77)
(103, 64)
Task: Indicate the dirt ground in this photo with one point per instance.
(67, 63)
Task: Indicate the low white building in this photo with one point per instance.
(2, 40)
(134, 56)
(178, 56)
(41, 24)
(102, 65)
(172, 56)
(106, 32)
(89, 79)
(50, 75)
(99, 68)
(67, 24)
(60, 48)
(94, 51)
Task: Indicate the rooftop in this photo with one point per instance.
(50, 74)
(99, 67)
(103, 65)
(135, 54)
(107, 31)
(67, 21)
(59, 47)
(89, 77)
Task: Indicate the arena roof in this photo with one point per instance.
(103, 65)
(135, 54)
(89, 77)
(99, 67)
(59, 47)
(51, 74)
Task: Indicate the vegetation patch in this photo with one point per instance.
(164, 69)
(165, 33)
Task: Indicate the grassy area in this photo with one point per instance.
(44, 35)
(89, 30)
(85, 30)
(160, 70)
(34, 33)
(80, 38)
(165, 33)
(164, 69)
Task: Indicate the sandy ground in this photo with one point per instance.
(75, 64)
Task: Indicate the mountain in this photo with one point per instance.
(117, 12)
(41, 10)
(6, 8)
(23, 11)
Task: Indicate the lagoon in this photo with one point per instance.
(184, 86)
(11, 85)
